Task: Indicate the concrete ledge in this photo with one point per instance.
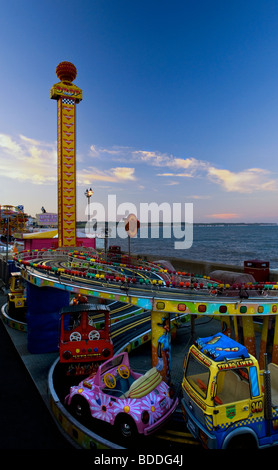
(204, 267)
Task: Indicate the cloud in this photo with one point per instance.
(182, 175)
(246, 181)
(94, 151)
(29, 160)
(114, 175)
(188, 163)
(25, 159)
(168, 161)
(116, 151)
(8, 145)
(151, 158)
(123, 173)
(172, 183)
(224, 216)
(199, 196)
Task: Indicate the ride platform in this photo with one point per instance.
(45, 371)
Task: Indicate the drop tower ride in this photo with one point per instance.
(67, 96)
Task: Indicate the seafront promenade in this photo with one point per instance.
(26, 423)
(204, 268)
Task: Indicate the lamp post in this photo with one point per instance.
(88, 193)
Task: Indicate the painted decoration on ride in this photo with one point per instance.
(47, 218)
(67, 95)
(161, 344)
(132, 402)
(160, 301)
(12, 220)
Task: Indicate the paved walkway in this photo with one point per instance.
(26, 423)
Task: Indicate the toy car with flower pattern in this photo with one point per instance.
(133, 402)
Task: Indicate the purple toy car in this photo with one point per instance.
(134, 403)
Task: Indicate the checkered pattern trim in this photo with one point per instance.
(249, 421)
(67, 101)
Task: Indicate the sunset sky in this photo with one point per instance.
(180, 103)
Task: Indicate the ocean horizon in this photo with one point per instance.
(226, 243)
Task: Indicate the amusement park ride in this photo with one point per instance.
(12, 222)
(54, 277)
(82, 343)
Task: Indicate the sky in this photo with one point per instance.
(180, 104)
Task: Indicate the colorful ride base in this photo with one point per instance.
(161, 291)
(146, 285)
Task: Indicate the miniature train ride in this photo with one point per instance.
(155, 287)
(83, 346)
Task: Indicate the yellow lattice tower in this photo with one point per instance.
(67, 95)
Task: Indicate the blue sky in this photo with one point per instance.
(180, 103)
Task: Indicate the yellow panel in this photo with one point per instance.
(68, 90)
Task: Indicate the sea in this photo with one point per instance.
(221, 243)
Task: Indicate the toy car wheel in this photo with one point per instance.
(126, 427)
(80, 408)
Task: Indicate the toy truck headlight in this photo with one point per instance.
(106, 352)
(67, 355)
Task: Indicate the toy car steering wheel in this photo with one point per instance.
(109, 380)
(75, 336)
(94, 334)
(123, 371)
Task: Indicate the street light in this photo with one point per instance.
(88, 193)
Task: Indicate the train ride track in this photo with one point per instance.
(148, 288)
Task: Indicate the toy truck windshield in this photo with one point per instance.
(198, 375)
